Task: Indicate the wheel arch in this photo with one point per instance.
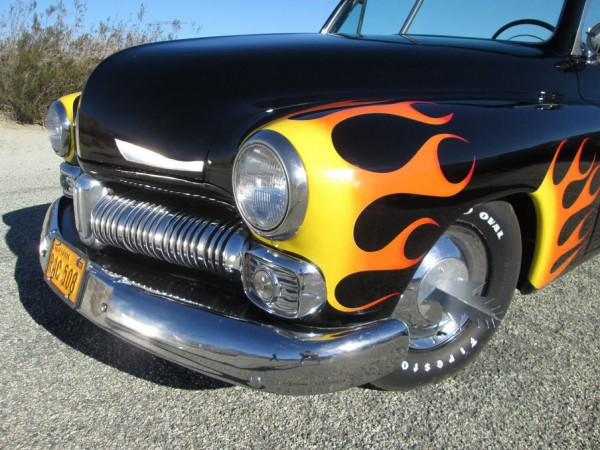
(528, 220)
(524, 208)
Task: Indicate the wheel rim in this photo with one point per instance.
(446, 291)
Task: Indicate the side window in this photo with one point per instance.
(382, 17)
(591, 27)
(385, 17)
(350, 25)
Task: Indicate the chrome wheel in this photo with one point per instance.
(457, 296)
(445, 292)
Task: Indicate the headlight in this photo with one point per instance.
(269, 183)
(58, 127)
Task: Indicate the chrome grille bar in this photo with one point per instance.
(180, 235)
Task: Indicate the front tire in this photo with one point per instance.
(458, 295)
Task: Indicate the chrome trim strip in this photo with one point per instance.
(87, 193)
(68, 177)
(340, 9)
(577, 44)
(256, 355)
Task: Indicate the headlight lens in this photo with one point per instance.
(58, 127)
(261, 187)
(270, 186)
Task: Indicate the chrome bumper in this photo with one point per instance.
(257, 355)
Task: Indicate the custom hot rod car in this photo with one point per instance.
(305, 213)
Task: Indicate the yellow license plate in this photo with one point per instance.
(65, 270)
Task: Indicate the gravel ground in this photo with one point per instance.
(65, 383)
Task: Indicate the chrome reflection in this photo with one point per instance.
(197, 236)
(86, 195)
(279, 358)
(297, 288)
(446, 290)
(171, 234)
(68, 177)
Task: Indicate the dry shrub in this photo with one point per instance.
(46, 54)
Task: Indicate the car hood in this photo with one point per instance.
(159, 109)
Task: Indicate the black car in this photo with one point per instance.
(305, 213)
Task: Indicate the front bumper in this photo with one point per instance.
(278, 358)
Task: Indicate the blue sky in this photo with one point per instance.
(214, 17)
(229, 17)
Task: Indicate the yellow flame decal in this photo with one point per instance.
(68, 102)
(553, 216)
(340, 191)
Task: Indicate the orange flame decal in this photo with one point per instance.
(339, 191)
(551, 256)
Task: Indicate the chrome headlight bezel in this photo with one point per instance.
(292, 168)
(58, 127)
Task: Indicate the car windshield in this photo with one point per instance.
(530, 21)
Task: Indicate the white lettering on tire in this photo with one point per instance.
(484, 216)
(428, 366)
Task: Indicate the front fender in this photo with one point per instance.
(385, 179)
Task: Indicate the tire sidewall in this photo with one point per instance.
(497, 225)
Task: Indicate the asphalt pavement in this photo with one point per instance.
(67, 384)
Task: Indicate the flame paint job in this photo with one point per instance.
(327, 235)
(514, 104)
(553, 252)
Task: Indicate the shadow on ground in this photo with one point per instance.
(71, 328)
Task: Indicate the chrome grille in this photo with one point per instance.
(185, 235)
